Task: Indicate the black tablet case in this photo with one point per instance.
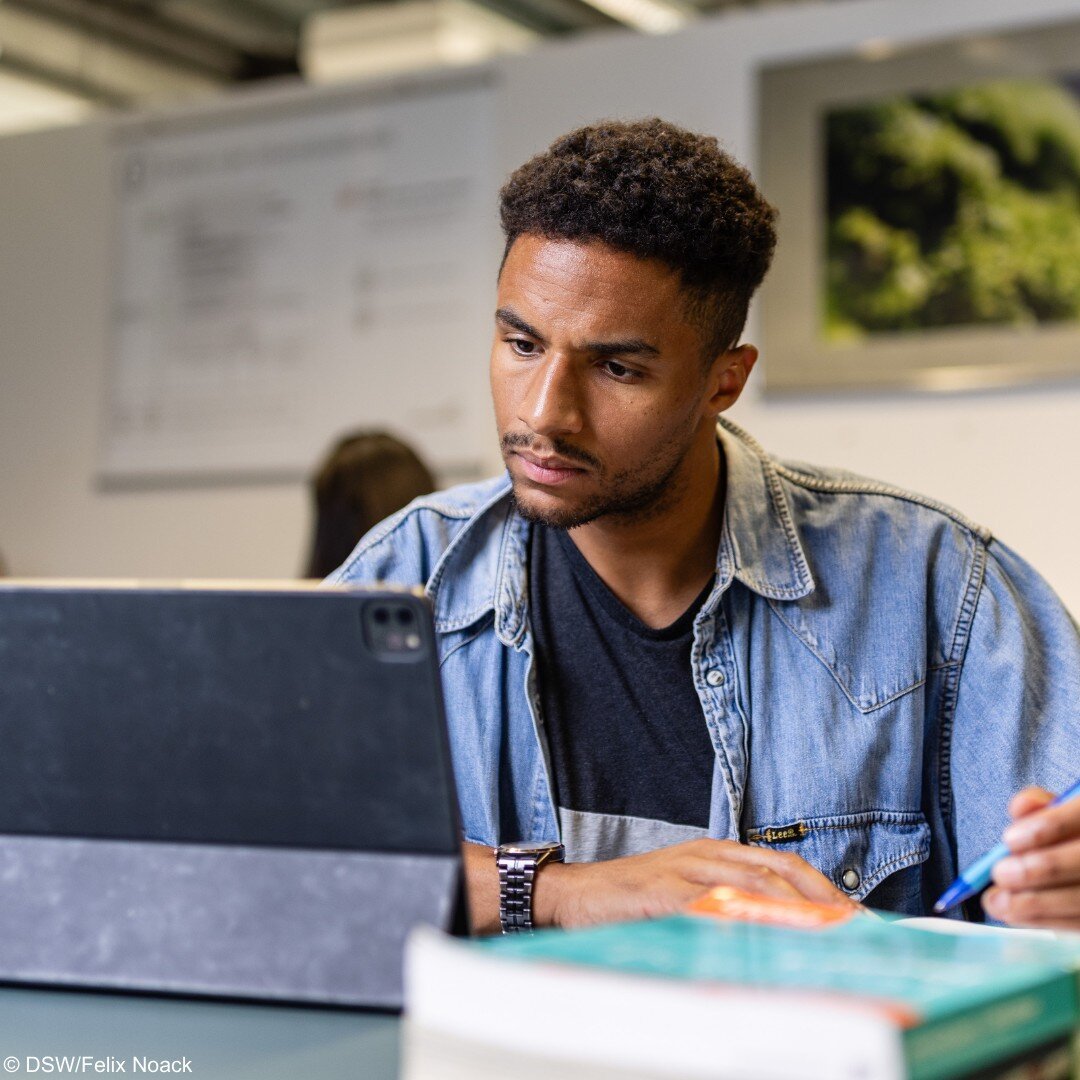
(220, 792)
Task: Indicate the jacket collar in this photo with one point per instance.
(760, 545)
(484, 568)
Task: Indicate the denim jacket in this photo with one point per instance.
(877, 674)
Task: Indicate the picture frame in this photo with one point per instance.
(812, 338)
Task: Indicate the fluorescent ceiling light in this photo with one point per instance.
(26, 105)
(410, 35)
(651, 16)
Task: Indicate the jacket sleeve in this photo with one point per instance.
(1017, 710)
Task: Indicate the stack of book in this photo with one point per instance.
(740, 989)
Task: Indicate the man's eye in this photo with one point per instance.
(618, 371)
(522, 346)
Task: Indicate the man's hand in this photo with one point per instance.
(666, 880)
(1039, 884)
(644, 886)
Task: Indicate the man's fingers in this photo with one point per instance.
(1038, 907)
(810, 881)
(1041, 868)
(1028, 801)
(752, 877)
(1040, 828)
(807, 881)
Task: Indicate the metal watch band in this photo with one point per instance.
(517, 874)
(516, 877)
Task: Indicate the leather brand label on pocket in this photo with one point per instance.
(779, 835)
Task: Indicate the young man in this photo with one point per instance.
(693, 664)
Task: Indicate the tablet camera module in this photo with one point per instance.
(392, 629)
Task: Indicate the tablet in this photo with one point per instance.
(240, 791)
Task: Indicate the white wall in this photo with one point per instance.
(54, 260)
(1002, 457)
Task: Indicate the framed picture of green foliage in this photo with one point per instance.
(930, 215)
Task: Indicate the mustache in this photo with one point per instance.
(512, 441)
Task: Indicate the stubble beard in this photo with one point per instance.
(625, 502)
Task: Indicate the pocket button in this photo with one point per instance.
(715, 678)
(851, 880)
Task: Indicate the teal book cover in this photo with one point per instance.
(960, 1002)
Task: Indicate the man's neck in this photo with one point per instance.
(657, 565)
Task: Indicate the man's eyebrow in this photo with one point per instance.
(630, 347)
(511, 318)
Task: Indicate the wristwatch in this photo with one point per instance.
(518, 864)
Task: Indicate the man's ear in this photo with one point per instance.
(728, 375)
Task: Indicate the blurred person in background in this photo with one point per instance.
(366, 477)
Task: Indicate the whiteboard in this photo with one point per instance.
(285, 274)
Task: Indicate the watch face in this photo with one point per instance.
(539, 847)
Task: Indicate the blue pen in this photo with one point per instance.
(977, 876)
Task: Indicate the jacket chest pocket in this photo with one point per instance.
(875, 857)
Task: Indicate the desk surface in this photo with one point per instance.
(223, 1041)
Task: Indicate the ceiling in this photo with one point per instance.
(59, 58)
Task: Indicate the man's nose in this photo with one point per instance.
(552, 405)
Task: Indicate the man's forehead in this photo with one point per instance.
(574, 282)
(588, 260)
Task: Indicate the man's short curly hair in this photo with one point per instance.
(659, 192)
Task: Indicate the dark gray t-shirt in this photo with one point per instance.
(631, 757)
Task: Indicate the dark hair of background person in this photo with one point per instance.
(366, 477)
(657, 191)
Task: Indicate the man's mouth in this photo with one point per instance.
(547, 469)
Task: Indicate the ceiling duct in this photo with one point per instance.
(92, 67)
(412, 35)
